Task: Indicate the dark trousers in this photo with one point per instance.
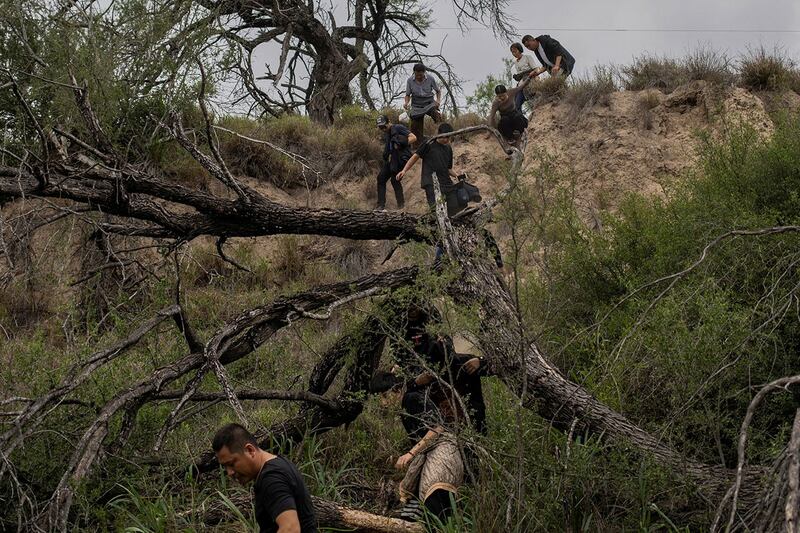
(387, 175)
(417, 125)
(519, 99)
(512, 125)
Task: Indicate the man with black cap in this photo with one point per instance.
(396, 152)
(423, 97)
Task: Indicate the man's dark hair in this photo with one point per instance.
(500, 89)
(444, 127)
(528, 38)
(517, 47)
(419, 67)
(234, 436)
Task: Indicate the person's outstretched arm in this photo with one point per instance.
(288, 522)
(492, 120)
(411, 162)
(421, 446)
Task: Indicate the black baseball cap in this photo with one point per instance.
(382, 121)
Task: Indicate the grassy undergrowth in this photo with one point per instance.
(682, 360)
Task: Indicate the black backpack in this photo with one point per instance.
(466, 192)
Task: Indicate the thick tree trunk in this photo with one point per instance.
(154, 203)
(542, 387)
(329, 514)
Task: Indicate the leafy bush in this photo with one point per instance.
(682, 359)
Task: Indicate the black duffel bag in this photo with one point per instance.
(466, 192)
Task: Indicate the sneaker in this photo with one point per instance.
(411, 512)
(380, 208)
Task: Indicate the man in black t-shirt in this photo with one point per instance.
(437, 158)
(282, 501)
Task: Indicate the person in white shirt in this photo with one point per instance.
(523, 65)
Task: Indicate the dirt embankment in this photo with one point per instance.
(638, 142)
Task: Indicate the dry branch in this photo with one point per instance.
(329, 515)
(239, 338)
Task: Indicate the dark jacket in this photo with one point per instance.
(551, 49)
(396, 150)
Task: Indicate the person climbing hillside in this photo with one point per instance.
(523, 65)
(423, 97)
(554, 58)
(437, 158)
(396, 153)
(512, 121)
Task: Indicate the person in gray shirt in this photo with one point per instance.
(423, 97)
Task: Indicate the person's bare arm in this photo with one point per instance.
(424, 442)
(412, 138)
(411, 162)
(556, 66)
(438, 97)
(408, 101)
(288, 522)
(492, 113)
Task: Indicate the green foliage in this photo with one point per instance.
(480, 101)
(718, 327)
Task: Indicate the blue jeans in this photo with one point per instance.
(519, 99)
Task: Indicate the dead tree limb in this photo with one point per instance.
(33, 415)
(251, 329)
(734, 493)
(542, 387)
(294, 396)
(329, 515)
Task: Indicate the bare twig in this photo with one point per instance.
(733, 492)
(792, 506)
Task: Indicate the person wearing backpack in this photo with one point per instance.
(397, 141)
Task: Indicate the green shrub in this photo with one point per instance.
(682, 362)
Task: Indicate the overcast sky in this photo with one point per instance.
(592, 30)
(605, 32)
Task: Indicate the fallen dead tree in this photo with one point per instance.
(329, 514)
(88, 174)
(251, 329)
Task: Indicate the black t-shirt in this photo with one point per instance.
(436, 157)
(278, 488)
